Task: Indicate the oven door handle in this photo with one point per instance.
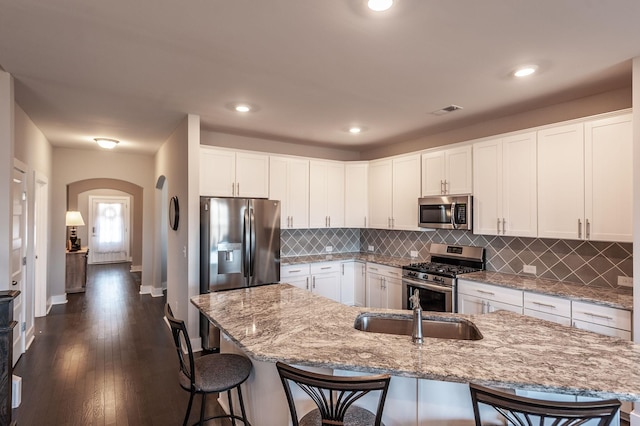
(435, 287)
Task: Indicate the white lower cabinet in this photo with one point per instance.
(384, 286)
(352, 288)
(478, 298)
(297, 275)
(602, 319)
(325, 280)
(550, 308)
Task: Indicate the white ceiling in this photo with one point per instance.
(132, 69)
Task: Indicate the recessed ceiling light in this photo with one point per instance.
(379, 5)
(525, 71)
(107, 143)
(355, 130)
(242, 108)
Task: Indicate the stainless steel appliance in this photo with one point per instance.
(436, 281)
(445, 212)
(239, 247)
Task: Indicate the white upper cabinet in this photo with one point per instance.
(504, 186)
(326, 194)
(380, 193)
(394, 189)
(561, 182)
(226, 173)
(447, 172)
(289, 183)
(584, 180)
(608, 179)
(356, 204)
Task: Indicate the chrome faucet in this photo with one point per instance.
(416, 334)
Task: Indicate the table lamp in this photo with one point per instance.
(74, 219)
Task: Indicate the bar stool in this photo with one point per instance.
(521, 411)
(334, 396)
(212, 373)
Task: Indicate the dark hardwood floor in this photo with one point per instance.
(104, 358)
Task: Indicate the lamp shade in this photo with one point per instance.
(74, 219)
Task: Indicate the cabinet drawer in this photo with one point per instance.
(601, 329)
(491, 292)
(548, 304)
(384, 270)
(602, 315)
(294, 271)
(324, 267)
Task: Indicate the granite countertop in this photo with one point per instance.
(621, 298)
(397, 262)
(282, 323)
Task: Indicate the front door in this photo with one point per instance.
(18, 257)
(108, 229)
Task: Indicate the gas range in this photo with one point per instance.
(436, 280)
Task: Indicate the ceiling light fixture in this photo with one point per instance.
(379, 5)
(242, 108)
(355, 130)
(525, 71)
(106, 143)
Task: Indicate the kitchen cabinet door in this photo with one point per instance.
(289, 183)
(347, 283)
(252, 175)
(487, 187)
(405, 192)
(393, 289)
(380, 194)
(360, 277)
(376, 298)
(561, 182)
(471, 305)
(327, 285)
(447, 172)
(217, 172)
(519, 186)
(609, 179)
(356, 198)
(326, 194)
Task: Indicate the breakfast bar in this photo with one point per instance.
(284, 323)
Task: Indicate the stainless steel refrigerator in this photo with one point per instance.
(239, 247)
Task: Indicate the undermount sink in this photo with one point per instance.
(441, 328)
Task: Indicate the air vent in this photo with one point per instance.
(447, 110)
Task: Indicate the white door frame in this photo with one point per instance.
(127, 219)
(20, 278)
(41, 249)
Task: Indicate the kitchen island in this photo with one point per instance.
(283, 323)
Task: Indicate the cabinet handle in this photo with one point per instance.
(295, 270)
(579, 228)
(365, 221)
(388, 222)
(587, 229)
(485, 292)
(307, 283)
(325, 267)
(445, 186)
(373, 269)
(498, 225)
(546, 305)
(591, 314)
(342, 268)
(504, 226)
(233, 189)
(313, 282)
(291, 226)
(329, 221)
(442, 187)
(238, 189)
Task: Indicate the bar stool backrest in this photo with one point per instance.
(521, 411)
(182, 342)
(333, 395)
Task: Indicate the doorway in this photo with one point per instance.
(18, 258)
(109, 222)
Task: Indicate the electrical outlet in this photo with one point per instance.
(529, 269)
(625, 281)
(414, 253)
(328, 249)
(370, 248)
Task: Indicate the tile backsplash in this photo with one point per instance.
(587, 262)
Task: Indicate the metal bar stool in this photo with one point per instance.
(212, 373)
(334, 396)
(521, 411)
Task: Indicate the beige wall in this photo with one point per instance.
(604, 102)
(73, 165)
(6, 167)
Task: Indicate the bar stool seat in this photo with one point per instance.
(355, 416)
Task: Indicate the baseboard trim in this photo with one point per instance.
(59, 299)
(157, 292)
(145, 289)
(135, 268)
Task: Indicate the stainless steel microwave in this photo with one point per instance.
(445, 212)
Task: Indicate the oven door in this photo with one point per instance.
(433, 297)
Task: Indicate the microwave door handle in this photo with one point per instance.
(453, 216)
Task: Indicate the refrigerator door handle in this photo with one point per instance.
(245, 244)
(252, 230)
